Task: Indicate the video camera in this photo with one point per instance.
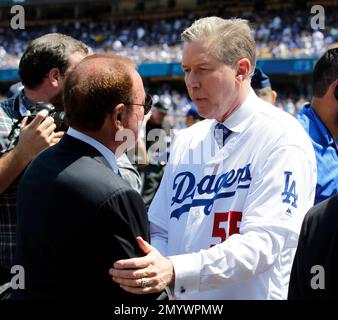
(59, 117)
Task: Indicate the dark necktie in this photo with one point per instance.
(221, 132)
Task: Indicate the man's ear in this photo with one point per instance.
(243, 69)
(54, 77)
(273, 97)
(335, 92)
(117, 116)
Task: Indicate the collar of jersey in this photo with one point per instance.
(321, 128)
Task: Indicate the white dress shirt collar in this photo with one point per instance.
(107, 153)
(240, 119)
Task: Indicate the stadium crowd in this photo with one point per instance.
(277, 35)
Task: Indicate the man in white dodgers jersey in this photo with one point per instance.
(226, 219)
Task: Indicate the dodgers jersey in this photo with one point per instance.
(229, 217)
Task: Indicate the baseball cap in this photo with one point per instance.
(260, 80)
(161, 106)
(192, 112)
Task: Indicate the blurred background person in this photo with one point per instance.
(192, 116)
(157, 134)
(320, 121)
(42, 70)
(15, 89)
(261, 84)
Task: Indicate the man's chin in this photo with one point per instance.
(203, 112)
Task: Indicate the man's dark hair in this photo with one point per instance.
(45, 53)
(94, 87)
(325, 72)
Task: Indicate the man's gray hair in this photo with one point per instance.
(230, 39)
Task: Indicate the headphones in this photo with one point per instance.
(336, 92)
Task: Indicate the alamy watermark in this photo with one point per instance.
(318, 20)
(18, 279)
(318, 280)
(18, 18)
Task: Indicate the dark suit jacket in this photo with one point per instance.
(318, 246)
(75, 218)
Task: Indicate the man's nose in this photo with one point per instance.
(192, 81)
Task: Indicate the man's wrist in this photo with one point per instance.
(22, 158)
(170, 284)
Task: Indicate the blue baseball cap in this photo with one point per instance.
(192, 112)
(260, 80)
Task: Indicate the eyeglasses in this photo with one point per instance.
(147, 104)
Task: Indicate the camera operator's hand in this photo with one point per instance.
(36, 136)
(57, 137)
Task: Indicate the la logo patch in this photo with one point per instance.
(290, 190)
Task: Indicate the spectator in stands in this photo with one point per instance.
(290, 107)
(157, 40)
(260, 82)
(320, 120)
(15, 89)
(191, 116)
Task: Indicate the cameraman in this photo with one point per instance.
(42, 70)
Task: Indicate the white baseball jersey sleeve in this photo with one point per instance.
(229, 218)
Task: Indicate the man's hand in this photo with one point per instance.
(36, 136)
(57, 137)
(149, 274)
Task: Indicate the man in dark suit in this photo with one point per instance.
(315, 268)
(76, 215)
